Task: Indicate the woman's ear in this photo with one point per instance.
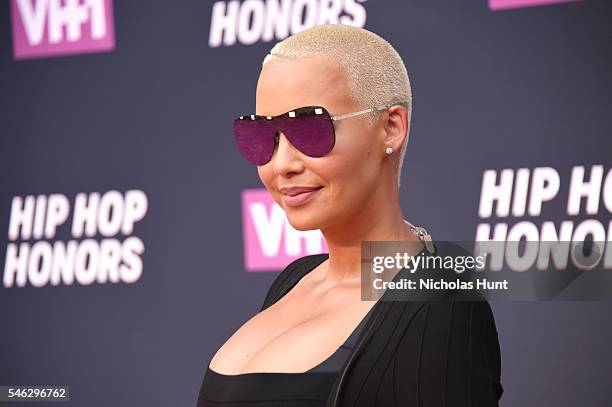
(396, 126)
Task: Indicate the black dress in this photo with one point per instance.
(441, 351)
(307, 389)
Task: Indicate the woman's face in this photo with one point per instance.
(349, 174)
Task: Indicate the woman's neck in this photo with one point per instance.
(344, 264)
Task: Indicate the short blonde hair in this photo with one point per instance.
(374, 70)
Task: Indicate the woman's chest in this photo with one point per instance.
(294, 335)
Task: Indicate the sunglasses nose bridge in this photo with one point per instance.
(285, 152)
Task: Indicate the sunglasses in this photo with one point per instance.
(309, 129)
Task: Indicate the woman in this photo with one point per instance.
(333, 107)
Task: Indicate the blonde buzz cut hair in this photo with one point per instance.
(374, 71)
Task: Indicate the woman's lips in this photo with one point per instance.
(299, 199)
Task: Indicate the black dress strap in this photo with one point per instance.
(291, 275)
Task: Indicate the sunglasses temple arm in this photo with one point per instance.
(372, 109)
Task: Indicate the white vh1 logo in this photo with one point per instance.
(270, 242)
(61, 27)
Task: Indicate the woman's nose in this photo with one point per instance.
(285, 157)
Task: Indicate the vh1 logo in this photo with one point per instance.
(270, 242)
(43, 28)
(508, 4)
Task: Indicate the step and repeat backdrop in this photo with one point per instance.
(134, 239)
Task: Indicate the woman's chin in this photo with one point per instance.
(303, 226)
(304, 221)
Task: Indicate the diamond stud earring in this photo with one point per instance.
(389, 150)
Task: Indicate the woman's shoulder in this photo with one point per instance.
(291, 274)
(457, 344)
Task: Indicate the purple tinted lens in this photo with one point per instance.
(255, 140)
(312, 135)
